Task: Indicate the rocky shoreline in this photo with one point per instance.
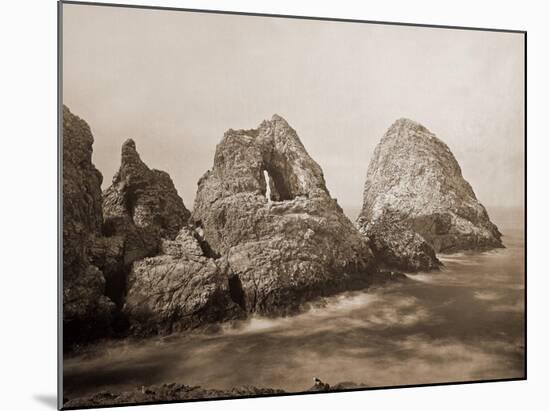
(179, 392)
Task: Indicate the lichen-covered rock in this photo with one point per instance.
(415, 194)
(265, 207)
(86, 310)
(178, 289)
(140, 208)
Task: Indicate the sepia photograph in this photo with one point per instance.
(262, 205)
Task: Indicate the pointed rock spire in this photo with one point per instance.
(148, 197)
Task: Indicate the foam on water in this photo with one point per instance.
(329, 307)
(462, 323)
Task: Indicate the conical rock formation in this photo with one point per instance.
(416, 198)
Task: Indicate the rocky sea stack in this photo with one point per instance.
(131, 262)
(265, 237)
(156, 268)
(265, 208)
(416, 202)
(140, 209)
(87, 312)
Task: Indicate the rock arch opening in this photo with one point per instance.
(268, 194)
(281, 184)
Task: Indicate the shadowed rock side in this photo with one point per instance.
(86, 310)
(396, 246)
(140, 208)
(265, 208)
(417, 203)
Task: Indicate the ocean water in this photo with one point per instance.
(461, 324)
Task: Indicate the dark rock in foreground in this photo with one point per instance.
(416, 202)
(265, 207)
(87, 311)
(320, 386)
(165, 392)
(180, 392)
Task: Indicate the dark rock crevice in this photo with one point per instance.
(236, 291)
(115, 285)
(205, 247)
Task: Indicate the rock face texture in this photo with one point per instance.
(130, 259)
(140, 208)
(164, 392)
(156, 266)
(397, 246)
(182, 392)
(265, 207)
(416, 201)
(179, 289)
(86, 310)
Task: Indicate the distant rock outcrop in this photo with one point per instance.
(417, 203)
(265, 207)
(86, 310)
(140, 208)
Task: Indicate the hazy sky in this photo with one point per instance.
(175, 81)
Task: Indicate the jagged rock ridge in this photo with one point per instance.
(416, 199)
(140, 208)
(265, 208)
(108, 283)
(86, 310)
(161, 276)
